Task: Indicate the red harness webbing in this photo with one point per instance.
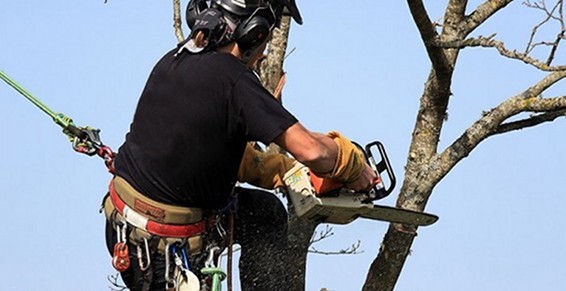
(153, 227)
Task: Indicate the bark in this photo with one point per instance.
(300, 231)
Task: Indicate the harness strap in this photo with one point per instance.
(155, 210)
(160, 229)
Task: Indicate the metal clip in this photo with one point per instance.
(143, 266)
(170, 283)
(210, 259)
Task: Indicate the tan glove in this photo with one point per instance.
(265, 170)
(350, 162)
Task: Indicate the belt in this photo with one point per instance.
(155, 210)
(156, 228)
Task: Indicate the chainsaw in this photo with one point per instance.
(327, 201)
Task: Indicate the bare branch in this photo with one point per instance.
(428, 35)
(326, 233)
(530, 122)
(556, 14)
(483, 12)
(491, 122)
(177, 22)
(115, 285)
(351, 250)
(489, 42)
(321, 235)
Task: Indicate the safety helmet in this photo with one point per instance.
(248, 22)
(245, 8)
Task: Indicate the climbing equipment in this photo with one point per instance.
(176, 238)
(146, 223)
(121, 255)
(216, 273)
(85, 140)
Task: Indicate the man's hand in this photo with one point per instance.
(365, 182)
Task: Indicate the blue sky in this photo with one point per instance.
(358, 68)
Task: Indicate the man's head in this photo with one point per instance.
(247, 22)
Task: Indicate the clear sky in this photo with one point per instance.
(358, 67)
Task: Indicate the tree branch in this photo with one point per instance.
(351, 250)
(491, 122)
(484, 12)
(489, 42)
(530, 122)
(550, 15)
(428, 35)
(177, 22)
(326, 233)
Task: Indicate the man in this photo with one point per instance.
(188, 146)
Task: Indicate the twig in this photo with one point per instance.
(351, 250)
(534, 120)
(113, 279)
(177, 22)
(318, 236)
(555, 13)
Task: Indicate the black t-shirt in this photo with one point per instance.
(191, 125)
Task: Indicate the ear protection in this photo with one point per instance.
(252, 32)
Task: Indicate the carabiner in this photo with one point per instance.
(170, 283)
(210, 258)
(143, 266)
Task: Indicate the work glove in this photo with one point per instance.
(265, 170)
(350, 162)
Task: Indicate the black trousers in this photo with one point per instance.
(260, 224)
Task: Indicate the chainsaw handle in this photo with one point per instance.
(384, 166)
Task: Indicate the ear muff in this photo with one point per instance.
(252, 32)
(194, 9)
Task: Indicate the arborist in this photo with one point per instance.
(188, 145)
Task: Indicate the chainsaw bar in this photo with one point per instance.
(343, 207)
(328, 214)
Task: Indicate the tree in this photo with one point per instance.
(427, 164)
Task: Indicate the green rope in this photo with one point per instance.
(59, 118)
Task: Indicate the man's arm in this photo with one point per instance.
(330, 155)
(314, 150)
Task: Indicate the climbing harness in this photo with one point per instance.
(85, 140)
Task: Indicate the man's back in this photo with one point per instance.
(191, 125)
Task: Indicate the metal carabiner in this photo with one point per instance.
(210, 258)
(143, 266)
(170, 283)
(121, 229)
